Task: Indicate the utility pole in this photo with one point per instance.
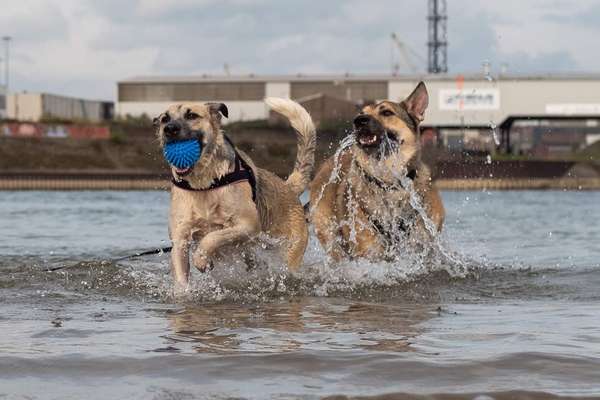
(6, 61)
(437, 61)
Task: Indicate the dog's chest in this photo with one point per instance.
(383, 208)
(374, 199)
(388, 206)
(204, 209)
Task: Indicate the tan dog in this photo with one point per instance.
(360, 201)
(224, 198)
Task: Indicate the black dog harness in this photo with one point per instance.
(411, 174)
(242, 172)
(379, 227)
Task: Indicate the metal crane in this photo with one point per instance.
(405, 53)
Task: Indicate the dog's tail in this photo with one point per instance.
(307, 138)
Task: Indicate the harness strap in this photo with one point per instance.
(386, 233)
(241, 172)
(411, 174)
(379, 227)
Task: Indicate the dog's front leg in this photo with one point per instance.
(243, 230)
(180, 264)
(180, 233)
(324, 218)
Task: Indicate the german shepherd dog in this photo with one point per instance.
(224, 198)
(361, 199)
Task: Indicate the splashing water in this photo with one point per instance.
(487, 70)
(459, 266)
(345, 143)
(269, 278)
(454, 265)
(494, 129)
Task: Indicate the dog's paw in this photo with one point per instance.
(181, 289)
(202, 262)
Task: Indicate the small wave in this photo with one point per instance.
(411, 278)
(233, 281)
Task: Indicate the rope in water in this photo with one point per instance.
(160, 250)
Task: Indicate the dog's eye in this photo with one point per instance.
(387, 113)
(165, 118)
(191, 115)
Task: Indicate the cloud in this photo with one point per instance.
(46, 23)
(82, 47)
(587, 14)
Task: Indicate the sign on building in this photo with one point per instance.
(469, 99)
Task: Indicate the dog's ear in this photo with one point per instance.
(416, 103)
(155, 122)
(218, 108)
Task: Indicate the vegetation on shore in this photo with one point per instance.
(133, 147)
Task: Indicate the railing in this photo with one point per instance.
(83, 181)
(161, 181)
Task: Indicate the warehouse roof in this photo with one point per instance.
(349, 77)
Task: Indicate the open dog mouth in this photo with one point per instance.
(369, 139)
(183, 171)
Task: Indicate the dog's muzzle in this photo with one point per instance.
(182, 155)
(369, 132)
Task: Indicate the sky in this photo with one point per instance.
(83, 47)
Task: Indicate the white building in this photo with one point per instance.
(455, 101)
(38, 106)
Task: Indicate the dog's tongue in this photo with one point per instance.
(182, 171)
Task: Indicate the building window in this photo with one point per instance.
(221, 91)
(351, 91)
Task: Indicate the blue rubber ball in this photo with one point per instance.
(184, 153)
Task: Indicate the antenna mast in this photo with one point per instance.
(437, 59)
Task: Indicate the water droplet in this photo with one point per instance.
(494, 130)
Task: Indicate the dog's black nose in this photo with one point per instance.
(361, 120)
(172, 129)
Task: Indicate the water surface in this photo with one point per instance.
(516, 315)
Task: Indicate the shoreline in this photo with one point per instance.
(519, 184)
(158, 181)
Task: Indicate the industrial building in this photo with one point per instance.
(36, 107)
(460, 107)
(2, 101)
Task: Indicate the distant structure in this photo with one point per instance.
(470, 111)
(36, 107)
(2, 101)
(405, 55)
(437, 61)
(6, 40)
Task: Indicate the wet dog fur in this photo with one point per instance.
(228, 215)
(358, 202)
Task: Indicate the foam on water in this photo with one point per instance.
(268, 278)
(231, 281)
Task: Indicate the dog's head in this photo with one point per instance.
(387, 128)
(191, 121)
